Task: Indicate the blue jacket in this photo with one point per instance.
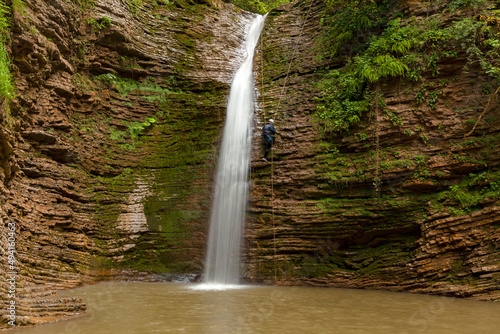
(268, 131)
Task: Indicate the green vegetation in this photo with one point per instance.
(182, 158)
(86, 4)
(457, 4)
(125, 86)
(6, 84)
(405, 49)
(468, 195)
(128, 141)
(100, 24)
(259, 6)
(344, 99)
(136, 128)
(136, 2)
(344, 20)
(125, 134)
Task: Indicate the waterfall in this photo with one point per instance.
(231, 183)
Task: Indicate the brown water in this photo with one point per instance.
(147, 308)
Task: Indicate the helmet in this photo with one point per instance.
(271, 121)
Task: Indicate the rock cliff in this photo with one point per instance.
(110, 145)
(371, 208)
(108, 152)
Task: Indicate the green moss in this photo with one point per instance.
(185, 40)
(6, 83)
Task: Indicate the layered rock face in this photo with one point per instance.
(107, 159)
(373, 208)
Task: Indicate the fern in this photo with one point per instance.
(346, 19)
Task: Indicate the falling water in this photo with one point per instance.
(231, 186)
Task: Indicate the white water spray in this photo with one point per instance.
(231, 186)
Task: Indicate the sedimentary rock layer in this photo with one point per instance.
(108, 155)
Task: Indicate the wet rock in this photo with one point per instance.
(81, 191)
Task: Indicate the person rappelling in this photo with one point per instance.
(268, 132)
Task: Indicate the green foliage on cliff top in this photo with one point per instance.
(469, 194)
(258, 6)
(405, 48)
(457, 4)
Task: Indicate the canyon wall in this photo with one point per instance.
(318, 216)
(109, 148)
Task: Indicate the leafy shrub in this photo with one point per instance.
(136, 128)
(125, 86)
(6, 85)
(457, 4)
(469, 194)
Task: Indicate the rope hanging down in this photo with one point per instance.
(282, 93)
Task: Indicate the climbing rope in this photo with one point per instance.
(282, 94)
(377, 145)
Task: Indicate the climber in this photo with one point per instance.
(268, 132)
